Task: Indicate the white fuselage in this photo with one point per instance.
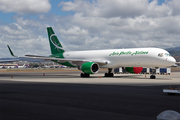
(11, 67)
(137, 57)
(21, 67)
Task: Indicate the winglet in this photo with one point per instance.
(11, 51)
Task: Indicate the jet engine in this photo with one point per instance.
(134, 69)
(90, 67)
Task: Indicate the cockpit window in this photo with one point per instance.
(167, 54)
(160, 55)
(164, 54)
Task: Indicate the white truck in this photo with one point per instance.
(172, 90)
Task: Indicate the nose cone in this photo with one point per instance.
(171, 61)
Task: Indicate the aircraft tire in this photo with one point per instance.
(109, 75)
(85, 75)
(152, 77)
(82, 75)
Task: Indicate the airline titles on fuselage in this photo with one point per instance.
(128, 53)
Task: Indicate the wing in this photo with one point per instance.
(11, 51)
(65, 60)
(101, 62)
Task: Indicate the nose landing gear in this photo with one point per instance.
(153, 76)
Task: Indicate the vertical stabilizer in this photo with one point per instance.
(55, 45)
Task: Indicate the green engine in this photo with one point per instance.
(90, 67)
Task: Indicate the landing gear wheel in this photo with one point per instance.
(109, 75)
(87, 75)
(152, 77)
(153, 74)
(106, 74)
(84, 75)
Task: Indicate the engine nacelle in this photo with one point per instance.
(134, 69)
(90, 67)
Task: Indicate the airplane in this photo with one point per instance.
(24, 66)
(5, 61)
(89, 62)
(12, 67)
(62, 66)
(2, 67)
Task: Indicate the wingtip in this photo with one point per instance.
(11, 51)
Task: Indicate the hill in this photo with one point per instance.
(25, 59)
(175, 52)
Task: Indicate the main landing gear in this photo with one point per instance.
(109, 74)
(153, 76)
(85, 75)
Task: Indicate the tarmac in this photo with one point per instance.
(64, 95)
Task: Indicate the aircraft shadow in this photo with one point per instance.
(30, 100)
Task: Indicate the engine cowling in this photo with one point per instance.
(90, 67)
(134, 69)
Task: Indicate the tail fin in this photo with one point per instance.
(55, 45)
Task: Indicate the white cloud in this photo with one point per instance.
(74, 31)
(122, 8)
(155, 10)
(107, 8)
(25, 6)
(22, 41)
(174, 7)
(100, 24)
(132, 23)
(77, 5)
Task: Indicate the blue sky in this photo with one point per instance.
(159, 1)
(55, 9)
(7, 17)
(88, 24)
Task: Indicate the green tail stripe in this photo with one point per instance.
(55, 45)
